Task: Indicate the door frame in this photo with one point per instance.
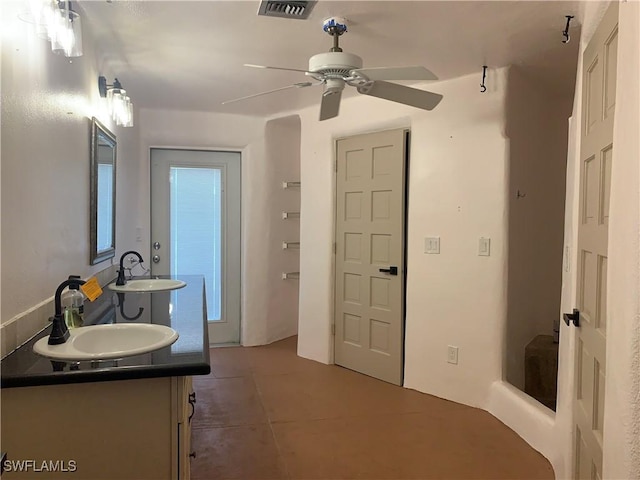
(241, 152)
(405, 227)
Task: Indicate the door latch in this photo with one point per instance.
(572, 317)
(390, 270)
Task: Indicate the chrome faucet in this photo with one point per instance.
(60, 332)
(121, 280)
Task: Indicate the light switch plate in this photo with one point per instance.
(432, 245)
(452, 354)
(484, 247)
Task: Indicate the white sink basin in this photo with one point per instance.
(102, 342)
(148, 285)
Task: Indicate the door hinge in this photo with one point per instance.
(333, 329)
(335, 248)
(335, 165)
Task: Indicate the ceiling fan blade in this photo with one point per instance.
(297, 85)
(275, 68)
(401, 94)
(330, 105)
(397, 73)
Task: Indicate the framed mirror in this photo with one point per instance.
(102, 228)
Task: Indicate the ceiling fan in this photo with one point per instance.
(336, 68)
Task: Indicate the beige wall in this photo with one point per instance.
(47, 104)
(457, 191)
(459, 159)
(275, 307)
(552, 434)
(270, 150)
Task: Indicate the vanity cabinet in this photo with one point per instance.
(186, 407)
(125, 429)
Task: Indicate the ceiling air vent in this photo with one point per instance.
(286, 9)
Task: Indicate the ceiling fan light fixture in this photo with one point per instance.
(333, 86)
(334, 63)
(336, 68)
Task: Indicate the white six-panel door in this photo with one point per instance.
(598, 104)
(370, 189)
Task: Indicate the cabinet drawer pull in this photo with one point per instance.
(192, 402)
(193, 454)
(193, 410)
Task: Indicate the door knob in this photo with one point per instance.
(390, 270)
(572, 317)
(156, 259)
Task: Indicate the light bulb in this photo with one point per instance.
(66, 37)
(129, 120)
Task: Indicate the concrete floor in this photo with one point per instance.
(265, 413)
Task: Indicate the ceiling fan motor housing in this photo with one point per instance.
(334, 64)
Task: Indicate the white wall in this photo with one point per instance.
(537, 128)
(552, 435)
(47, 104)
(457, 191)
(622, 394)
(277, 314)
(459, 159)
(264, 161)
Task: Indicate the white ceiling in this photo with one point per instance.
(189, 55)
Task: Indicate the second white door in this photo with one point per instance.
(195, 228)
(596, 154)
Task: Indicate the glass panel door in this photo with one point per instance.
(195, 228)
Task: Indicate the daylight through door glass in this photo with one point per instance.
(196, 229)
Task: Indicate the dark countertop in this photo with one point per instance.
(183, 309)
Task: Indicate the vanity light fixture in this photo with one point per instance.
(118, 102)
(57, 22)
